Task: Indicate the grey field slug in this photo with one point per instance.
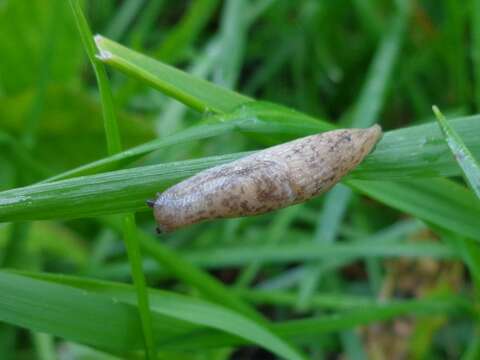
(270, 179)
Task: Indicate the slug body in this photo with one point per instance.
(270, 179)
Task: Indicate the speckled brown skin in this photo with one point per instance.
(270, 179)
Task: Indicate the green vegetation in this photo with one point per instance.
(387, 264)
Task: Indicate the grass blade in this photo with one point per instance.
(114, 146)
(106, 317)
(380, 71)
(253, 118)
(173, 48)
(108, 109)
(470, 166)
(123, 18)
(431, 200)
(181, 310)
(233, 36)
(306, 251)
(193, 92)
(308, 330)
(105, 194)
(208, 285)
(52, 308)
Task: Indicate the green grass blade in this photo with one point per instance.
(255, 117)
(233, 36)
(105, 193)
(44, 346)
(470, 166)
(173, 48)
(432, 200)
(100, 194)
(172, 116)
(332, 214)
(193, 92)
(418, 152)
(391, 235)
(130, 237)
(308, 330)
(114, 146)
(70, 313)
(208, 285)
(305, 251)
(372, 96)
(145, 24)
(279, 226)
(111, 127)
(180, 309)
(106, 317)
(123, 18)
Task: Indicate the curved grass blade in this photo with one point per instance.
(185, 310)
(194, 92)
(106, 317)
(470, 166)
(306, 331)
(70, 313)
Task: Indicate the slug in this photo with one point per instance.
(274, 178)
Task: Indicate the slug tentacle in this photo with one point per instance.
(270, 179)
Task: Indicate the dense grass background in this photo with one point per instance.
(384, 266)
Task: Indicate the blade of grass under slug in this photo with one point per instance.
(112, 134)
(120, 191)
(463, 156)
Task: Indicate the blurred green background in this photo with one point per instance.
(349, 62)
